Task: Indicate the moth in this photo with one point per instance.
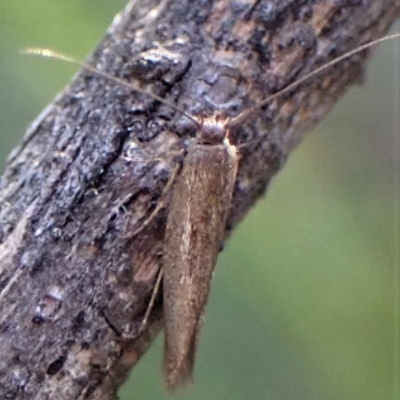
(196, 223)
(194, 233)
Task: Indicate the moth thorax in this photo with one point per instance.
(213, 131)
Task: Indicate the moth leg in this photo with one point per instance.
(150, 306)
(146, 223)
(137, 331)
(161, 203)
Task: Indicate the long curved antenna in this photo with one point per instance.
(244, 115)
(231, 122)
(59, 56)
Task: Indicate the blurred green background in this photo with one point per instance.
(303, 300)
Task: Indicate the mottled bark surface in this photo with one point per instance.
(74, 279)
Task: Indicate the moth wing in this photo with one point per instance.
(194, 234)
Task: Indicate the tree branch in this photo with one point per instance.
(74, 279)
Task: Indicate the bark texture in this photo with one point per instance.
(75, 280)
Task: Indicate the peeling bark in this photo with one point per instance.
(74, 279)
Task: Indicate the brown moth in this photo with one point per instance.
(195, 230)
(196, 222)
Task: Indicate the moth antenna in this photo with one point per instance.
(59, 56)
(241, 117)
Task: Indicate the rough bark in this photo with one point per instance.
(74, 279)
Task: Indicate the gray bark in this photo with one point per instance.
(75, 280)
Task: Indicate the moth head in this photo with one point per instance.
(213, 130)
